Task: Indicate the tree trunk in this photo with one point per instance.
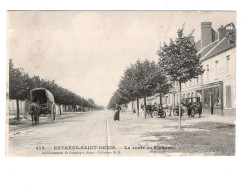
(132, 106)
(138, 107)
(145, 106)
(18, 110)
(60, 109)
(160, 100)
(180, 114)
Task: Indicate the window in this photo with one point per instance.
(207, 72)
(216, 69)
(206, 98)
(228, 66)
(194, 81)
(217, 99)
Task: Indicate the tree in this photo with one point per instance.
(163, 83)
(231, 32)
(127, 89)
(19, 85)
(148, 77)
(180, 61)
(140, 80)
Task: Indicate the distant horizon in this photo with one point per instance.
(88, 51)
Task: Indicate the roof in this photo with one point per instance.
(221, 47)
(206, 49)
(48, 93)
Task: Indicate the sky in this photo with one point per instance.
(88, 51)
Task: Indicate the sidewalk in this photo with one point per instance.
(204, 118)
(25, 121)
(209, 135)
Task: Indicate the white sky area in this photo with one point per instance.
(88, 51)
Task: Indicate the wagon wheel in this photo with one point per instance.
(163, 114)
(154, 114)
(53, 113)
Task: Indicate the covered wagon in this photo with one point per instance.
(45, 99)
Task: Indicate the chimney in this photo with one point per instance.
(206, 33)
(222, 32)
(192, 40)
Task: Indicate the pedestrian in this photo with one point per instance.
(134, 111)
(142, 109)
(117, 112)
(169, 109)
(189, 108)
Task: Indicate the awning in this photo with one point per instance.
(212, 85)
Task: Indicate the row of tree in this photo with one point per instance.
(178, 62)
(140, 80)
(20, 84)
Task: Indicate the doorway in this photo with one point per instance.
(212, 103)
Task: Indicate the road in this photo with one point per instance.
(97, 134)
(88, 129)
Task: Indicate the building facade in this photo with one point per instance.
(217, 86)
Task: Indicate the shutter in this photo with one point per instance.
(228, 96)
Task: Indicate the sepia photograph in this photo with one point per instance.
(121, 83)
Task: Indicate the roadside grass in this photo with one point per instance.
(209, 138)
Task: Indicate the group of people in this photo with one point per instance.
(167, 107)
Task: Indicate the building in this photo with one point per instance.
(217, 86)
(23, 109)
(219, 79)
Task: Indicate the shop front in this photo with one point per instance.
(212, 95)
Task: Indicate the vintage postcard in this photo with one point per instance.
(121, 83)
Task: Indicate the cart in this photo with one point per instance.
(45, 99)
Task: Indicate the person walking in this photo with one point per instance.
(117, 112)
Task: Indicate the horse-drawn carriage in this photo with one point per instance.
(193, 105)
(42, 102)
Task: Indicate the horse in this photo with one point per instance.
(35, 112)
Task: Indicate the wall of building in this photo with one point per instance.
(13, 107)
(222, 68)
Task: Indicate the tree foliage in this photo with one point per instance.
(141, 79)
(179, 59)
(20, 84)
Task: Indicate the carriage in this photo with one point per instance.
(45, 100)
(193, 105)
(155, 112)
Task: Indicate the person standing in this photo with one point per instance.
(117, 113)
(170, 108)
